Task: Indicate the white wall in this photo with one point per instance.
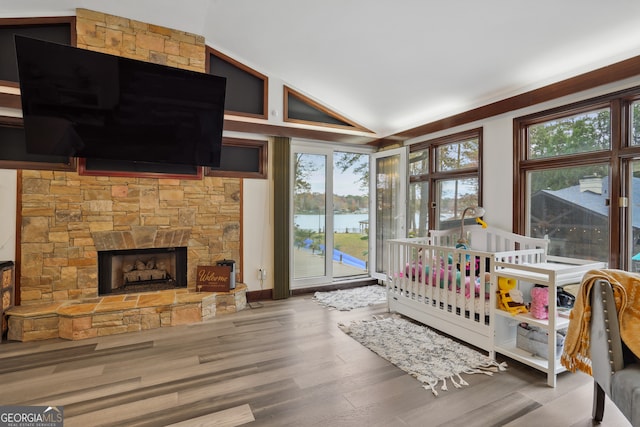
(8, 198)
(257, 229)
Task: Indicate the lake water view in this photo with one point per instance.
(342, 223)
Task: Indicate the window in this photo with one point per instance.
(242, 158)
(580, 133)
(330, 221)
(444, 179)
(635, 123)
(13, 151)
(576, 174)
(247, 89)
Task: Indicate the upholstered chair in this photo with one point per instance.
(616, 372)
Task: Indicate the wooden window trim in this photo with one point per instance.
(263, 150)
(52, 20)
(289, 91)
(82, 170)
(17, 122)
(618, 102)
(589, 80)
(264, 78)
(432, 176)
(11, 100)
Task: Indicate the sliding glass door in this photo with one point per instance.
(389, 186)
(309, 217)
(330, 215)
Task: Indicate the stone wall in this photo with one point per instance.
(138, 40)
(62, 212)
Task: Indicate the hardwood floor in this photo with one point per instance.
(278, 363)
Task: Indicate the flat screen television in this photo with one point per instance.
(80, 103)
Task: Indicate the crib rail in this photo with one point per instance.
(449, 288)
(443, 287)
(488, 239)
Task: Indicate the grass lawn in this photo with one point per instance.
(352, 243)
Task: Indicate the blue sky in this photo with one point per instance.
(345, 183)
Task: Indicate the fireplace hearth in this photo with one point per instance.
(141, 270)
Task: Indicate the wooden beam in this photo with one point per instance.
(605, 75)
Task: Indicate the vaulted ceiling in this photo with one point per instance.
(394, 65)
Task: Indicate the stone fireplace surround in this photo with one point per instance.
(137, 240)
(139, 270)
(67, 217)
(117, 314)
(114, 314)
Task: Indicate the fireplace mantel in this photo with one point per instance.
(141, 238)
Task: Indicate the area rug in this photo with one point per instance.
(348, 299)
(426, 355)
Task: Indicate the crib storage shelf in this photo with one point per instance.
(448, 287)
(554, 273)
(453, 288)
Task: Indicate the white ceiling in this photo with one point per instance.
(391, 65)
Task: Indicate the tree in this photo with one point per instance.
(635, 130)
(358, 163)
(582, 133)
(303, 168)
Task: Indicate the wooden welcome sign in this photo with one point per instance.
(210, 278)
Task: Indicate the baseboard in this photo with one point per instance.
(264, 294)
(335, 286)
(267, 294)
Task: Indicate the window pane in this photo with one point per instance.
(419, 163)
(350, 214)
(582, 133)
(635, 123)
(633, 228)
(418, 209)
(454, 195)
(309, 215)
(388, 212)
(569, 205)
(458, 155)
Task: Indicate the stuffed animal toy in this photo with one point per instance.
(509, 298)
(487, 286)
(540, 302)
(416, 268)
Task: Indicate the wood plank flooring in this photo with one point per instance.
(277, 363)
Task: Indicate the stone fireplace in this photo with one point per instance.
(141, 270)
(67, 217)
(70, 220)
(142, 259)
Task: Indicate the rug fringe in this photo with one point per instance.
(462, 381)
(407, 345)
(431, 386)
(455, 384)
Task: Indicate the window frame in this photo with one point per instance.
(262, 147)
(620, 151)
(433, 175)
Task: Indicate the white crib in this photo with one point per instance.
(449, 288)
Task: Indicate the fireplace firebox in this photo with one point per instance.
(141, 270)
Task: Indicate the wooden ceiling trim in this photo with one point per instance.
(609, 74)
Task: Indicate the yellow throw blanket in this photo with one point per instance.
(626, 290)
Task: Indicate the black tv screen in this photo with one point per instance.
(80, 103)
